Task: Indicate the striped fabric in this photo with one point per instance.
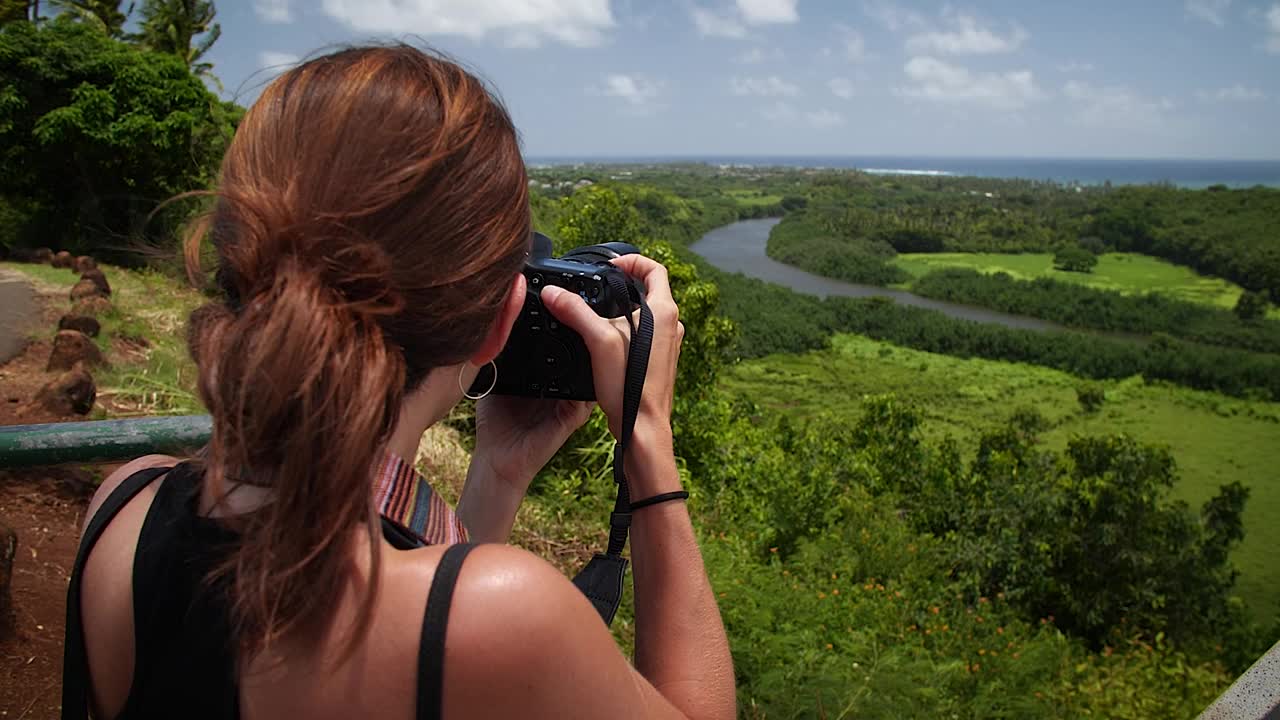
(406, 498)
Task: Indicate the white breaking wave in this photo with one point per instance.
(899, 171)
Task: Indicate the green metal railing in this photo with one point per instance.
(100, 441)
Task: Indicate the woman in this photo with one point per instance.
(371, 224)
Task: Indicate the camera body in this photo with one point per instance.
(543, 358)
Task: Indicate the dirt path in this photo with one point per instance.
(19, 312)
(44, 506)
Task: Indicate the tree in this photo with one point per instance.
(95, 132)
(175, 27)
(102, 14)
(15, 11)
(1075, 259)
(1252, 305)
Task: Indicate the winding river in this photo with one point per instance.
(740, 247)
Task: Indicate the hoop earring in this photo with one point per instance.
(466, 392)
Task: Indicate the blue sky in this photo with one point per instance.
(1120, 78)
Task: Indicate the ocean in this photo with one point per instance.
(1082, 171)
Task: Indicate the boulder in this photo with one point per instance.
(98, 278)
(71, 393)
(84, 289)
(92, 306)
(84, 263)
(71, 347)
(61, 260)
(84, 323)
(8, 550)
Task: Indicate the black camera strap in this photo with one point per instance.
(601, 580)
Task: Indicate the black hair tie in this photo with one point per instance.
(664, 497)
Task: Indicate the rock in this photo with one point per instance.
(84, 263)
(8, 550)
(32, 255)
(84, 323)
(92, 306)
(71, 393)
(98, 279)
(84, 289)
(71, 347)
(61, 260)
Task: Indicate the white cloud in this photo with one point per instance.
(1075, 66)
(756, 56)
(1210, 11)
(891, 15)
(779, 112)
(1234, 93)
(1115, 107)
(634, 89)
(771, 86)
(841, 87)
(965, 36)
(784, 113)
(824, 118)
(855, 46)
(938, 81)
(767, 12)
(274, 62)
(520, 23)
(273, 11)
(713, 24)
(1273, 28)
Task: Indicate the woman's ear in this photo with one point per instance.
(500, 330)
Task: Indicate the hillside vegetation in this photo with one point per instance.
(865, 565)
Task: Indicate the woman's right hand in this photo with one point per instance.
(608, 340)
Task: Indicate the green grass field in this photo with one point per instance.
(1215, 439)
(753, 197)
(1125, 272)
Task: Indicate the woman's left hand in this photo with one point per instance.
(516, 436)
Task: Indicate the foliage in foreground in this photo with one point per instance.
(96, 133)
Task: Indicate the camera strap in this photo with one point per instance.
(601, 580)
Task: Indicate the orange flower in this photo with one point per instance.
(830, 646)
(999, 631)
(935, 610)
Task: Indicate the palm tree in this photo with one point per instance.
(15, 10)
(174, 26)
(103, 14)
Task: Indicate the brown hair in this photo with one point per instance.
(372, 211)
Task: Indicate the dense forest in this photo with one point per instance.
(861, 569)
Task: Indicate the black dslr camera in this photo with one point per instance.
(543, 358)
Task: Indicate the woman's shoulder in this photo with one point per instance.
(516, 617)
(122, 473)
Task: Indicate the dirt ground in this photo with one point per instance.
(45, 507)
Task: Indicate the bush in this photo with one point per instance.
(1075, 259)
(1091, 397)
(1251, 306)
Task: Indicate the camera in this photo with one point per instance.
(543, 358)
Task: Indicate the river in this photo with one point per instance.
(740, 247)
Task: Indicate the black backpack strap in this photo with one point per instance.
(75, 659)
(435, 622)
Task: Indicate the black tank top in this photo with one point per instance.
(184, 652)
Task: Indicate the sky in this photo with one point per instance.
(644, 78)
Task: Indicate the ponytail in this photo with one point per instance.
(303, 391)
